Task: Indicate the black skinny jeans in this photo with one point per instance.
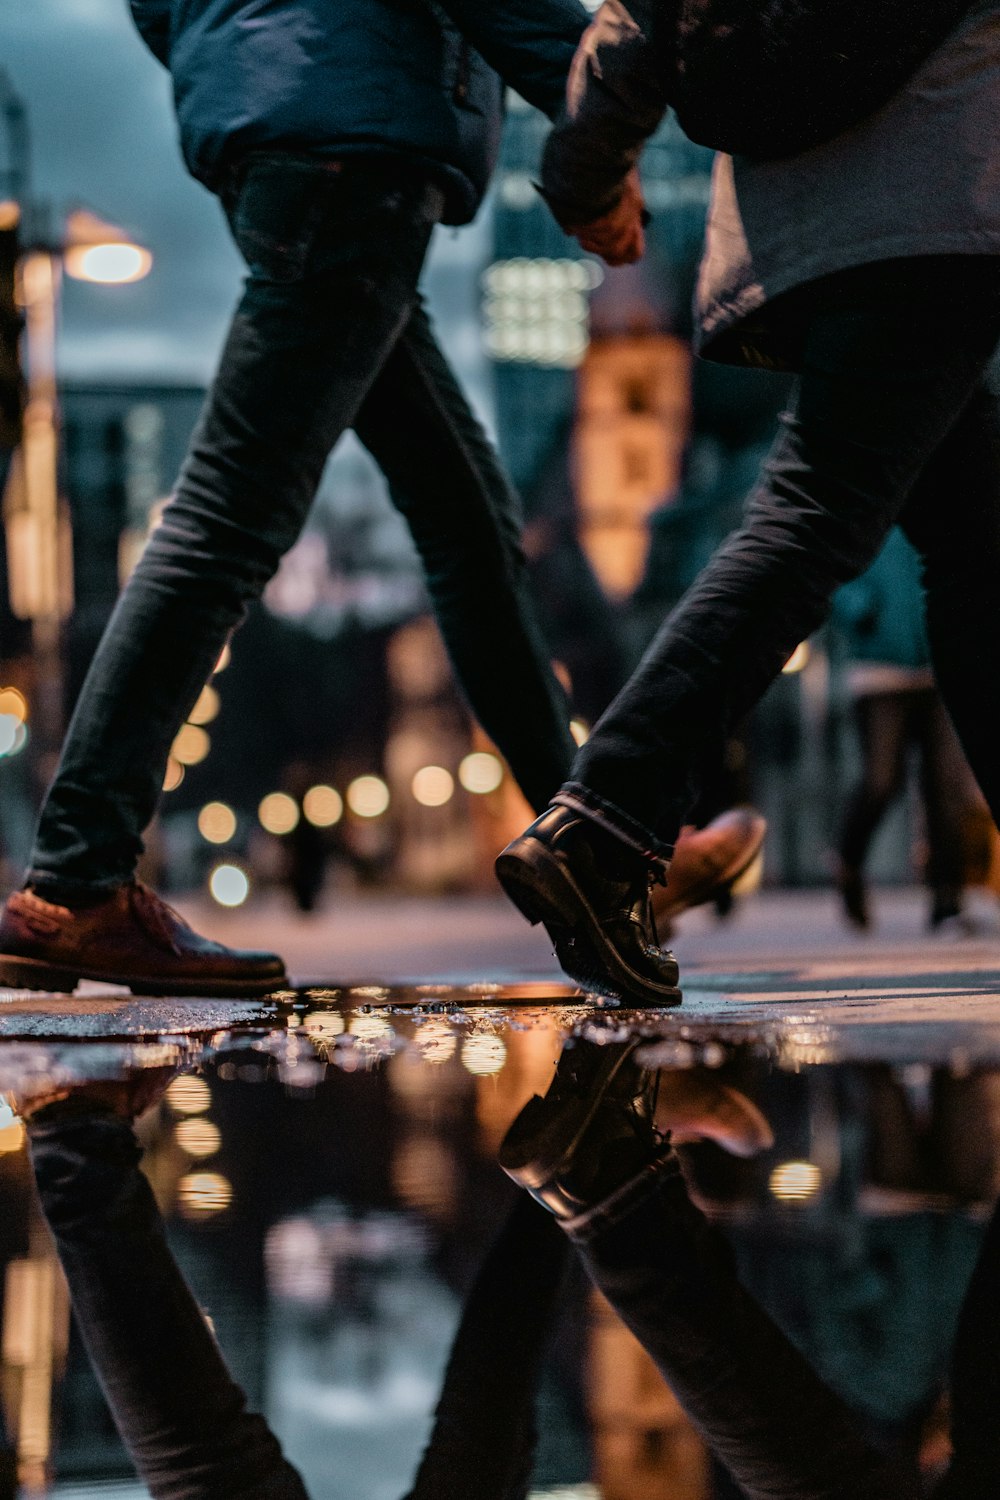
(330, 334)
(892, 421)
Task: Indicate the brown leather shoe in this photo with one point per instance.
(708, 861)
(132, 938)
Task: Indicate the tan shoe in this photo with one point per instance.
(132, 938)
(708, 861)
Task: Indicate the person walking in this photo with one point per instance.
(335, 141)
(837, 263)
(897, 708)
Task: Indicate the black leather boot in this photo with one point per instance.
(591, 1133)
(593, 894)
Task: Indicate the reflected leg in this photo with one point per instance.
(483, 1440)
(975, 1382)
(181, 1416)
(446, 479)
(881, 719)
(762, 1409)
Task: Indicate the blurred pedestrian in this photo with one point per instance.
(897, 708)
(836, 262)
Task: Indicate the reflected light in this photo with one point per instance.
(483, 1055)
(368, 796)
(795, 1181)
(173, 775)
(480, 772)
(13, 735)
(432, 786)
(201, 1194)
(189, 1095)
(323, 1024)
(216, 823)
(436, 1042)
(229, 885)
(798, 659)
(579, 730)
(225, 657)
(112, 264)
(323, 806)
(206, 708)
(369, 1028)
(198, 1137)
(191, 745)
(278, 813)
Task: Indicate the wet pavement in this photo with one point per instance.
(326, 1163)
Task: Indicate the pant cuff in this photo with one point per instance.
(66, 889)
(613, 820)
(618, 1205)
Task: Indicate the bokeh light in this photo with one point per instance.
(110, 265)
(189, 1095)
(173, 776)
(798, 659)
(368, 796)
(229, 885)
(483, 1054)
(191, 745)
(481, 772)
(12, 1138)
(278, 813)
(436, 1042)
(216, 823)
(198, 1138)
(225, 657)
(13, 704)
(207, 707)
(579, 730)
(202, 1194)
(432, 786)
(323, 806)
(795, 1181)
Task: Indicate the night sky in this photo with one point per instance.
(104, 135)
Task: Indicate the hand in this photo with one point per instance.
(618, 237)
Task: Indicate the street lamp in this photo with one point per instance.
(38, 533)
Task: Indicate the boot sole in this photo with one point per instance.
(545, 1133)
(36, 974)
(544, 891)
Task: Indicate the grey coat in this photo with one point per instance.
(920, 177)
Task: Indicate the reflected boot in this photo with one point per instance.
(592, 1133)
(592, 891)
(130, 937)
(854, 895)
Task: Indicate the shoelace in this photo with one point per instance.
(156, 915)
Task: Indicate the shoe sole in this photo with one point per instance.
(35, 974)
(721, 884)
(546, 1132)
(585, 955)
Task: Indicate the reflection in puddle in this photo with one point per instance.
(329, 1183)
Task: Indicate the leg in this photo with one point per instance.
(953, 520)
(882, 721)
(881, 388)
(484, 1436)
(446, 480)
(945, 794)
(975, 1382)
(180, 1414)
(334, 253)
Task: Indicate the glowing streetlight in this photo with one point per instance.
(100, 252)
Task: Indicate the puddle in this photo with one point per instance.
(326, 1167)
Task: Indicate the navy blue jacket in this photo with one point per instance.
(418, 78)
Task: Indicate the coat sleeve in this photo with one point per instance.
(530, 43)
(618, 92)
(152, 17)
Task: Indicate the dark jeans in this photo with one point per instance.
(766, 1415)
(892, 421)
(889, 724)
(329, 334)
(179, 1412)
